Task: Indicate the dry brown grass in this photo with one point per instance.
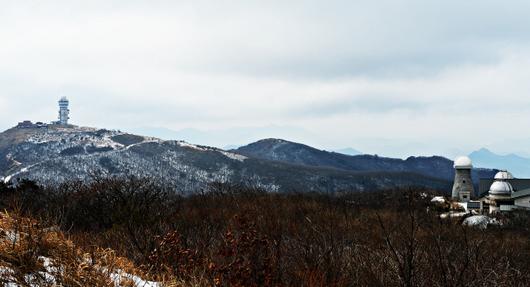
(32, 254)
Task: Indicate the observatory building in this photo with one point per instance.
(499, 197)
(64, 112)
(499, 194)
(463, 185)
(504, 193)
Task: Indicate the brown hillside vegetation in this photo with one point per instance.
(31, 255)
(240, 236)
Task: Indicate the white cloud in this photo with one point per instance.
(375, 76)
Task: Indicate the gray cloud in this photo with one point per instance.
(367, 103)
(349, 72)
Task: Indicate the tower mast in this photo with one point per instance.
(64, 112)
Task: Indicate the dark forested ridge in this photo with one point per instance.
(55, 154)
(286, 151)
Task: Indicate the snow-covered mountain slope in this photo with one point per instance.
(56, 154)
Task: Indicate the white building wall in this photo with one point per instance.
(523, 201)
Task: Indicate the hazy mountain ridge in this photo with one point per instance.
(58, 154)
(518, 165)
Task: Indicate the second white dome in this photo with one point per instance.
(503, 175)
(501, 188)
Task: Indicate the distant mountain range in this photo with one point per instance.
(56, 154)
(518, 165)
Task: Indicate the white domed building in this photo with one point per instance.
(463, 162)
(503, 175)
(504, 193)
(499, 194)
(500, 189)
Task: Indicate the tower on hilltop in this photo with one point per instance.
(463, 185)
(64, 112)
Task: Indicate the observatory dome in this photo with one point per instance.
(501, 188)
(463, 162)
(503, 175)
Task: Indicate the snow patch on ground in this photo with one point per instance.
(9, 157)
(140, 143)
(77, 136)
(7, 275)
(120, 276)
(480, 221)
(8, 178)
(233, 156)
(453, 215)
(188, 145)
(438, 199)
(106, 141)
(229, 155)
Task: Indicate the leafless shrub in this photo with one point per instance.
(240, 236)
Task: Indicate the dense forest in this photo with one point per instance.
(228, 235)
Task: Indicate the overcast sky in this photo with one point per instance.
(396, 78)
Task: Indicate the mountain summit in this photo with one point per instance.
(518, 165)
(57, 154)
